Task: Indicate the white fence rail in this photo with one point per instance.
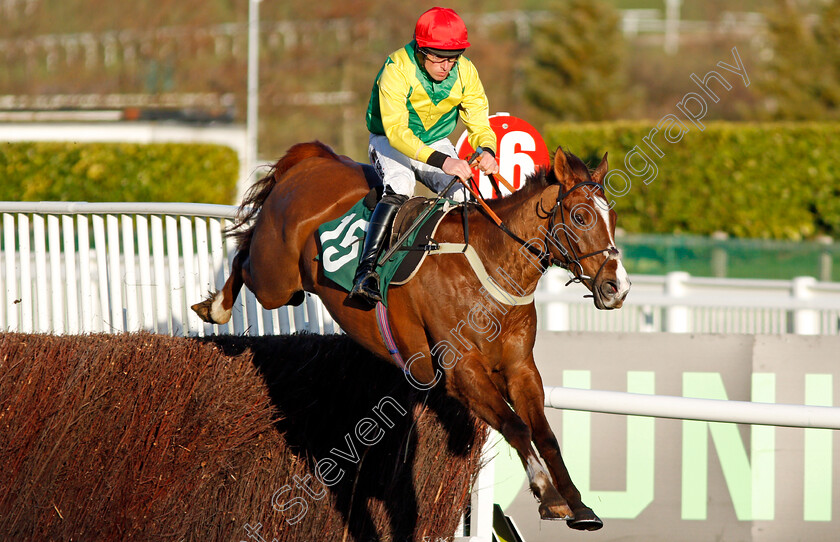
(100, 267)
(678, 302)
(106, 267)
(690, 408)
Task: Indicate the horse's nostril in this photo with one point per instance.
(609, 288)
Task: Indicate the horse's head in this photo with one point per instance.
(582, 228)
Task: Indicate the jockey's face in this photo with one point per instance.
(437, 67)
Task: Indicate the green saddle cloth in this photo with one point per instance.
(341, 242)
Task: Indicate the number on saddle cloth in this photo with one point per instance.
(341, 242)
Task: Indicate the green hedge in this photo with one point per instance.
(773, 180)
(118, 172)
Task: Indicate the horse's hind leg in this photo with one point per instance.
(217, 308)
(473, 386)
(527, 398)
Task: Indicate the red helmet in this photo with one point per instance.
(441, 28)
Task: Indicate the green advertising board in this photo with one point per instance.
(663, 479)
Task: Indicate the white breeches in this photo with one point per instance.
(399, 172)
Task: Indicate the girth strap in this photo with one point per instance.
(492, 287)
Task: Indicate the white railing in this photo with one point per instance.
(678, 302)
(112, 267)
(690, 408)
(94, 267)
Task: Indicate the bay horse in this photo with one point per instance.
(489, 364)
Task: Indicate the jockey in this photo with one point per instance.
(414, 106)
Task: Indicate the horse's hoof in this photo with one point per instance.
(203, 311)
(585, 520)
(555, 512)
(210, 310)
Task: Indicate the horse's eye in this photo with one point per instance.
(579, 220)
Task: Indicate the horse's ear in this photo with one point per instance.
(601, 171)
(561, 165)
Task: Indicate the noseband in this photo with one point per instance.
(572, 263)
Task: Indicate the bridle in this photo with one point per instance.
(570, 262)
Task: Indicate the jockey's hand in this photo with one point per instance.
(487, 163)
(458, 168)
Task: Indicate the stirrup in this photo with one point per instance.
(364, 289)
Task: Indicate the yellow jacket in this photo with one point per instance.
(412, 110)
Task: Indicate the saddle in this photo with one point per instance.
(418, 250)
(424, 245)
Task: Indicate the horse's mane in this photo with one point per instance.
(540, 179)
(259, 191)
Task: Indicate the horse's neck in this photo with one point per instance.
(502, 252)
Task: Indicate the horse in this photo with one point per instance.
(559, 216)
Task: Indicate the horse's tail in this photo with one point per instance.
(259, 191)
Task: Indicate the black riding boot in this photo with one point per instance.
(366, 281)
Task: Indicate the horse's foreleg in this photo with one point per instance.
(471, 384)
(218, 307)
(528, 399)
